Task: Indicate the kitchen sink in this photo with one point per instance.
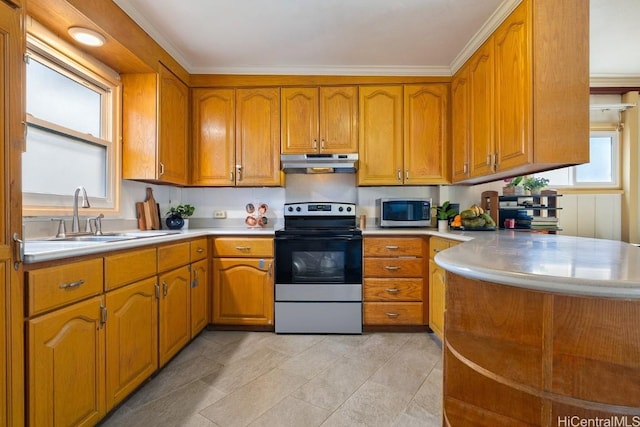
(107, 237)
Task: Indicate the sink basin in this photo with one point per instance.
(108, 237)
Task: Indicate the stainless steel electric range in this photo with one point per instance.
(318, 270)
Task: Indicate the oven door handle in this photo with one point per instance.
(308, 237)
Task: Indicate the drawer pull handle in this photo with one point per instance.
(243, 248)
(392, 247)
(72, 284)
(392, 267)
(392, 315)
(392, 290)
(199, 250)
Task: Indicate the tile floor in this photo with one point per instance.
(263, 379)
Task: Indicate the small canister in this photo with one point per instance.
(510, 223)
(363, 222)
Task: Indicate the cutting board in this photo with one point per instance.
(151, 214)
(142, 221)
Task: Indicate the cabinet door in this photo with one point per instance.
(436, 298)
(173, 111)
(513, 91)
(460, 125)
(175, 311)
(380, 136)
(481, 111)
(339, 119)
(258, 137)
(67, 366)
(300, 120)
(199, 296)
(132, 338)
(214, 137)
(243, 291)
(426, 134)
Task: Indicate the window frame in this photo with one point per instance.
(616, 163)
(85, 70)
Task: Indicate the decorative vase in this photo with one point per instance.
(174, 222)
(443, 225)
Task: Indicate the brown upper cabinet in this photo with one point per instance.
(319, 120)
(236, 137)
(155, 132)
(520, 103)
(403, 135)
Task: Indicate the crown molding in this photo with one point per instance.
(494, 21)
(323, 70)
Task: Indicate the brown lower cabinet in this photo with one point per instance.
(395, 290)
(97, 328)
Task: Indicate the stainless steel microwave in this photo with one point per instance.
(403, 213)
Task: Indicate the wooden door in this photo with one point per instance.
(199, 296)
(12, 115)
(175, 312)
(339, 119)
(132, 338)
(258, 137)
(513, 93)
(214, 137)
(173, 132)
(66, 373)
(380, 136)
(299, 120)
(426, 134)
(460, 125)
(243, 291)
(481, 111)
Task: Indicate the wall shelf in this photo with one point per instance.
(532, 213)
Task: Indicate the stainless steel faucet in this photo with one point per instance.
(75, 226)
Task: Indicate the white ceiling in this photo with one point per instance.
(358, 37)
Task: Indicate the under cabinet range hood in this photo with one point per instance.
(319, 163)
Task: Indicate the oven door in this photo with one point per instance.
(316, 260)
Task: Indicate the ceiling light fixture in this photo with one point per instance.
(87, 37)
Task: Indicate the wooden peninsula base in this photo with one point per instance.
(521, 357)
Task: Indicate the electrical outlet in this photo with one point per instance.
(220, 214)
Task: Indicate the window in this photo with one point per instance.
(71, 133)
(601, 172)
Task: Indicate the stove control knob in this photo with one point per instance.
(348, 208)
(290, 209)
(340, 209)
(298, 209)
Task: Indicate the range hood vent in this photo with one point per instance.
(319, 163)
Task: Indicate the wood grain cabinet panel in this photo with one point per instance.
(319, 120)
(214, 137)
(237, 247)
(175, 312)
(258, 137)
(395, 284)
(131, 338)
(128, 267)
(200, 296)
(155, 132)
(52, 287)
(173, 255)
(66, 366)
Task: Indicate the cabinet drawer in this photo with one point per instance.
(438, 244)
(239, 247)
(172, 256)
(394, 246)
(393, 313)
(394, 267)
(393, 289)
(199, 249)
(129, 267)
(56, 286)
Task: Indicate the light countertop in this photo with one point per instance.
(551, 263)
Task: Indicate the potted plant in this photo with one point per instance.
(177, 216)
(444, 213)
(512, 187)
(534, 184)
